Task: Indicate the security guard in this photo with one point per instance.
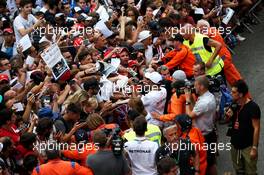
(153, 132)
(205, 50)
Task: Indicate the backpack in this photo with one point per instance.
(226, 99)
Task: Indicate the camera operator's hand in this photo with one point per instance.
(188, 94)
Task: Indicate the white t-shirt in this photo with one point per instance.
(141, 153)
(154, 101)
(43, 39)
(106, 91)
(205, 110)
(149, 54)
(22, 23)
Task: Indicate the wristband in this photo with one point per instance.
(187, 103)
(254, 147)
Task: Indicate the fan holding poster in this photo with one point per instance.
(55, 61)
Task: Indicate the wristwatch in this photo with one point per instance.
(187, 103)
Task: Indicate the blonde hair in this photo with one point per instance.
(203, 22)
(78, 97)
(94, 120)
(92, 102)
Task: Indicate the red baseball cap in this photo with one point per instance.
(114, 55)
(77, 41)
(4, 77)
(8, 30)
(132, 63)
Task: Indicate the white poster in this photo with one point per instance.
(55, 61)
(25, 42)
(229, 14)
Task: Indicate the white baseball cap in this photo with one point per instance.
(155, 77)
(144, 35)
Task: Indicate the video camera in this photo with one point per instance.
(181, 85)
(117, 142)
(215, 83)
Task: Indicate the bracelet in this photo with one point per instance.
(187, 103)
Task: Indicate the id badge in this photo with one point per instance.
(236, 126)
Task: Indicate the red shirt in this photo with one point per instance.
(10, 133)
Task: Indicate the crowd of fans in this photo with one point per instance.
(135, 81)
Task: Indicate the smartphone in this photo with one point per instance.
(86, 42)
(72, 82)
(46, 100)
(140, 18)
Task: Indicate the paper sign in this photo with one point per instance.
(18, 107)
(115, 62)
(229, 14)
(103, 29)
(55, 61)
(30, 60)
(199, 11)
(25, 42)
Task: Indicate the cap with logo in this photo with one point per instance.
(155, 77)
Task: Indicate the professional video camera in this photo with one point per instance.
(117, 142)
(181, 85)
(215, 83)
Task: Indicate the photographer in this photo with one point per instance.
(112, 165)
(177, 102)
(245, 117)
(217, 87)
(203, 114)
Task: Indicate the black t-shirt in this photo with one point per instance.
(243, 136)
(181, 156)
(103, 162)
